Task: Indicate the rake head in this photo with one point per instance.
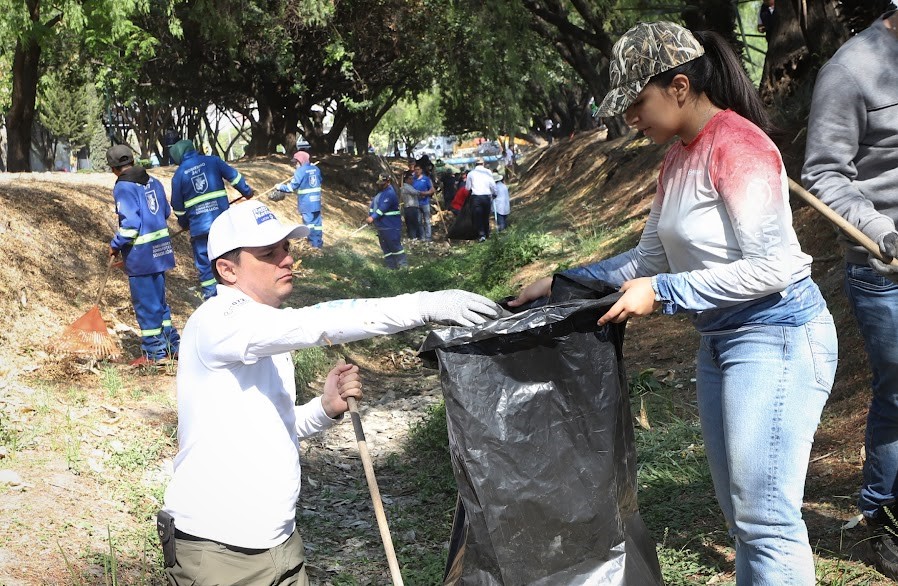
(87, 337)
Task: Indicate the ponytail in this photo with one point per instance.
(720, 76)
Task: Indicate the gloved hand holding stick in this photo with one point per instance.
(842, 224)
(270, 189)
(393, 562)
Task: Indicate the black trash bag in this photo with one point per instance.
(542, 447)
(463, 228)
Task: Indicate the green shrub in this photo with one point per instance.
(308, 365)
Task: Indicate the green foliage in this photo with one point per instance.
(111, 381)
(681, 566)
(484, 268)
(410, 121)
(308, 365)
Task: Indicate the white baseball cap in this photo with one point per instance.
(249, 224)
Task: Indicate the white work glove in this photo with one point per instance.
(457, 307)
(888, 246)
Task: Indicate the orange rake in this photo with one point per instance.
(88, 335)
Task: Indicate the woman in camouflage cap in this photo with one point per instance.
(720, 246)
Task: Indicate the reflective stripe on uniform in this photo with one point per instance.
(166, 323)
(401, 251)
(236, 179)
(151, 236)
(177, 213)
(153, 332)
(308, 190)
(314, 227)
(208, 283)
(128, 233)
(205, 197)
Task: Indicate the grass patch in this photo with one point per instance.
(308, 365)
(483, 268)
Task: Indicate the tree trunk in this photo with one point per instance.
(616, 126)
(802, 41)
(262, 131)
(25, 76)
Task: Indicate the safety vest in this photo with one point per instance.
(306, 183)
(198, 190)
(385, 210)
(142, 236)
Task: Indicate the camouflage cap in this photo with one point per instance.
(644, 51)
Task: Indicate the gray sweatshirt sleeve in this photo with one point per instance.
(837, 122)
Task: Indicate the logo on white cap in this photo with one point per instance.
(251, 224)
(263, 214)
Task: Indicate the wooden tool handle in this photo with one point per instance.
(839, 221)
(379, 513)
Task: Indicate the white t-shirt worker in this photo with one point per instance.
(237, 473)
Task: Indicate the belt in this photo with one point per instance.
(244, 550)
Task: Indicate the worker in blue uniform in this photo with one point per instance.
(384, 215)
(143, 241)
(306, 183)
(198, 197)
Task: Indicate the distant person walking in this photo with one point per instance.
(384, 215)
(424, 185)
(449, 184)
(508, 159)
(461, 194)
(411, 209)
(198, 197)
(767, 19)
(501, 203)
(169, 139)
(144, 243)
(306, 183)
(482, 186)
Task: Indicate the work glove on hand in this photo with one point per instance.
(457, 307)
(888, 246)
(277, 195)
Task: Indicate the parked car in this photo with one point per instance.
(489, 148)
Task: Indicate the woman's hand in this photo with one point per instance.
(535, 290)
(342, 382)
(638, 299)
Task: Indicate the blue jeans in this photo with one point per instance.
(760, 395)
(413, 223)
(874, 301)
(426, 228)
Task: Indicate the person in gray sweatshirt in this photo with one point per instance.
(851, 164)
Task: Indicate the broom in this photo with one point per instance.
(88, 335)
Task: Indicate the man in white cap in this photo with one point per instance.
(231, 503)
(483, 188)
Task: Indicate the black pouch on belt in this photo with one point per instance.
(165, 527)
